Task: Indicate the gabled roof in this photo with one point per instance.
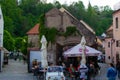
(87, 26)
(81, 21)
(110, 28)
(64, 10)
(34, 30)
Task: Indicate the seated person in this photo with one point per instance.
(36, 70)
(35, 67)
(40, 66)
(72, 71)
(34, 63)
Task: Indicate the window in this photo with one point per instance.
(108, 57)
(108, 44)
(117, 56)
(118, 43)
(116, 21)
(0, 16)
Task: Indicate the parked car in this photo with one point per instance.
(55, 73)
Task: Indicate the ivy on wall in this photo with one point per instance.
(71, 30)
(51, 33)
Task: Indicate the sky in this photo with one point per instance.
(99, 3)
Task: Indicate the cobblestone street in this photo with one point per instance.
(103, 71)
(15, 70)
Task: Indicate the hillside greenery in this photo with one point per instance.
(20, 17)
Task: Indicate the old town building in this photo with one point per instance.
(112, 41)
(33, 37)
(61, 19)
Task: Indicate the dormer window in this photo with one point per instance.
(116, 22)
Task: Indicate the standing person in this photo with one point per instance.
(83, 72)
(91, 71)
(24, 59)
(118, 68)
(97, 67)
(111, 72)
(15, 56)
(20, 55)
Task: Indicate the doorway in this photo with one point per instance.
(59, 54)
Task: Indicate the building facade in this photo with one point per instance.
(112, 41)
(33, 37)
(61, 19)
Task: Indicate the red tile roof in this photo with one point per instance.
(34, 30)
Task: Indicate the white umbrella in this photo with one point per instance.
(77, 51)
(44, 52)
(83, 42)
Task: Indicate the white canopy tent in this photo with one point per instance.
(77, 51)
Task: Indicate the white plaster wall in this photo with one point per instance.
(1, 28)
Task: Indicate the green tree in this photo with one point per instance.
(92, 18)
(25, 45)
(57, 4)
(8, 41)
(18, 43)
(21, 44)
(77, 9)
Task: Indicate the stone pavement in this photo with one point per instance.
(103, 71)
(15, 70)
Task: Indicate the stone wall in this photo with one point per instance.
(57, 19)
(33, 41)
(62, 20)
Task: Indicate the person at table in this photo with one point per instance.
(72, 71)
(40, 66)
(35, 67)
(34, 63)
